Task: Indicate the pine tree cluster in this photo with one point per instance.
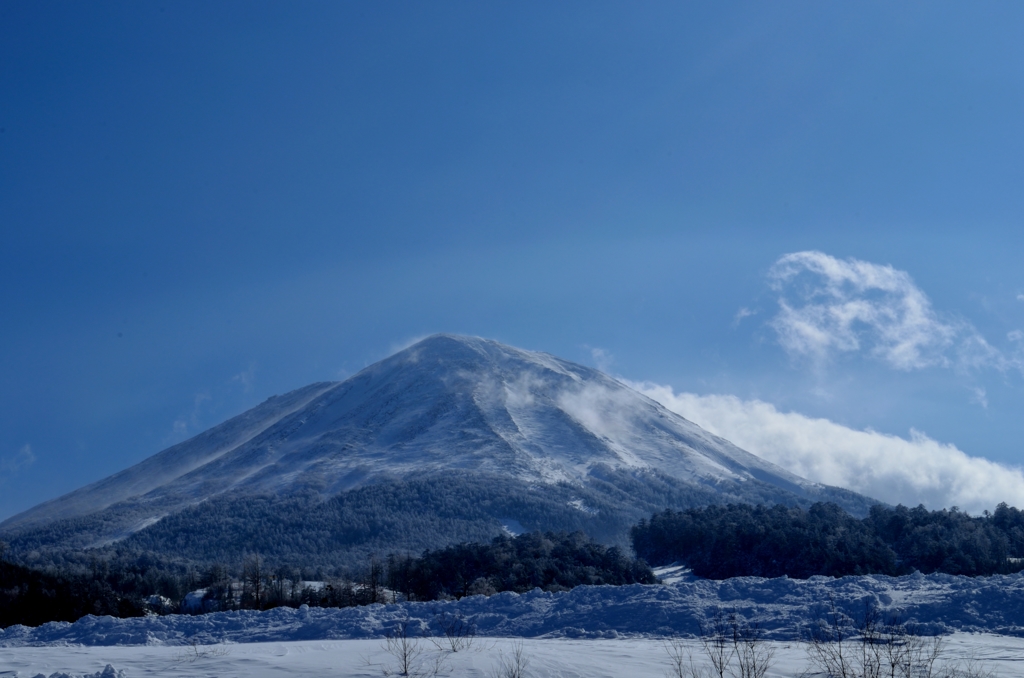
(738, 540)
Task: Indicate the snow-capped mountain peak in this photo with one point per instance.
(446, 403)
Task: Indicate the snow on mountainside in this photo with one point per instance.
(172, 463)
(447, 403)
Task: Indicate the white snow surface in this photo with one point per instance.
(547, 658)
(932, 604)
(446, 403)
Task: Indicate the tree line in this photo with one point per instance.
(552, 561)
(715, 541)
(309, 530)
(33, 597)
(718, 542)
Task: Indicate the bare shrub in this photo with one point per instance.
(408, 655)
(754, 656)
(829, 649)
(880, 646)
(682, 663)
(734, 647)
(716, 638)
(919, 658)
(513, 664)
(193, 652)
(969, 667)
(405, 649)
(456, 632)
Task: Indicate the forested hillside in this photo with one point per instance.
(428, 512)
(770, 541)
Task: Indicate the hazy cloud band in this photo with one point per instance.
(896, 470)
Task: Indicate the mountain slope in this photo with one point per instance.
(172, 463)
(466, 409)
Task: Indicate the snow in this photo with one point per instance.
(580, 506)
(512, 527)
(548, 658)
(588, 631)
(672, 574)
(193, 601)
(174, 462)
(934, 604)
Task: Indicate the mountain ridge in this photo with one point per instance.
(447, 405)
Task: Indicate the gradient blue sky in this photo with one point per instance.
(205, 204)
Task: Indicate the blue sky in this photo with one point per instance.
(204, 205)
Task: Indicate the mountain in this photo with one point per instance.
(452, 438)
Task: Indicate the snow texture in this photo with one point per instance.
(547, 658)
(933, 604)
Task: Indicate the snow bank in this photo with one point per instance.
(936, 604)
(108, 672)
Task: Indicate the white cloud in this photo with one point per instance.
(246, 378)
(911, 471)
(401, 345)
(980, 396)
(602, 358)
(829, 306)
(741, 314)
(193, 421)
(22, 459)
(1020, 297)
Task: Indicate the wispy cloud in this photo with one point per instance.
(403, 344)
(246, 378)
(20, 460)
(911, 471)
(980, 396)
(192, 422)
(602, 359)
(829, 306)
(741, 314)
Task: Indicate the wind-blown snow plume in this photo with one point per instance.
(829, 306)
(886, 467)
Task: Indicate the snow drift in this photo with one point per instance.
(932, 604)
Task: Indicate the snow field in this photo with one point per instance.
(588, 631)
(547, 658)
(931, 605)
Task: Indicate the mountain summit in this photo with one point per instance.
(459, 412)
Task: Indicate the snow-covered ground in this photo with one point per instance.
(933, 604)
(591, 630)
(547, 658)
